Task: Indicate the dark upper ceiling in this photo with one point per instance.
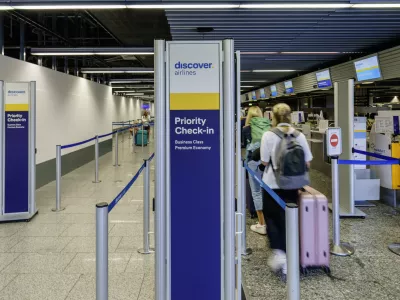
(350, 32)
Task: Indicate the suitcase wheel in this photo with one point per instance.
(327, 270)
(304, 271)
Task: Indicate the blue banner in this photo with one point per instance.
(16, 180)
(324, 83)
(195, 204)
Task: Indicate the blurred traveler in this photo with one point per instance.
(275, 144)
(253, 131)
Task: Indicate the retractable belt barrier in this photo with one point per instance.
(97, 154)
(386, 160)
(102, 211)
(292, 237)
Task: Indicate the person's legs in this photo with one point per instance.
(256, 192)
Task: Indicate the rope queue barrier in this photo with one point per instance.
(338, 247)
(292, 237)
(97, 154)
(102, 211)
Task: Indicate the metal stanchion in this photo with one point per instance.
(146, 210)
(116, 149)
(292, 251)
(129, 127)
(337, 247)
(102, 251)
(123, 132)
(96, 160)
(143, 137)
(239, 233)
(58, 180)
(245, 250)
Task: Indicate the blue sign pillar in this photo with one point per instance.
(17, 151)
(195, 217)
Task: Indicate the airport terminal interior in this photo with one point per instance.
(129, 133)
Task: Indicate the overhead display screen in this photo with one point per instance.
(262, 93)
(324, 79)
(146, 106)
(253, 96)
(274, 92)
(289, 87)
(368, 68)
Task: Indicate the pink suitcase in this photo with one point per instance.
(314, 230)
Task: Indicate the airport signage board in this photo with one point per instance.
(253, 95)
(194, 152)
(324, 79)
(274, 92)
(333, 141)
(368, 68)
(16, 148)
(289, 87)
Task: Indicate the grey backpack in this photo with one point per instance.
(291, 172)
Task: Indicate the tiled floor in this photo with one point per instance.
(372, 273)
(53, 256)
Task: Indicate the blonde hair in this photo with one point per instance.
(254, 111)
(281, 113)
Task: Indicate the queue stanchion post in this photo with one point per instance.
(337, 247)
(129, 127)
(96, 160)
(146, 210)
(143, 137)
(58, 180)
(116, 149)
(102, 251)
(292, 251)
(333, 150)
(245, 250)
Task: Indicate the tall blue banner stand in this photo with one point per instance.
(195, 97)
(17, 151)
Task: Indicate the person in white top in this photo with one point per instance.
(273, 213)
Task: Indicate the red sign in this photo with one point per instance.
(334, 140)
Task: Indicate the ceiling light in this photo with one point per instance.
(127, 91)
(249, 81)
(258, 53)
(376, 5)
(134, 80)
(395, 100)
(73, 6)
(6, 7)
(183, 6)
(273, 71)
(367, 82)
(246, 86)
(117, 70)
(299, 6)
(311, 53)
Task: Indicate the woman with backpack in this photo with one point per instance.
(286, 156)
(253, 131)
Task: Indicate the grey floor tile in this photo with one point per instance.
(47, 218)
(78, 219)
(121, 287)
(85, 263)
(39, 263)
(127, 230)
(39, 287)
(41, 244)
(9, 229)
(5, 279)
(130, 244)
(6, 243)
(80, 230)
(38, 229)
(88, 244)
(7, 259)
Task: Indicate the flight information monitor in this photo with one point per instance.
(253, 96)
(262, 93)
(289, 87)
(274, 92)
(324, 79)
(368, 69)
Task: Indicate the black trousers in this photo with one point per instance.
(275, 217)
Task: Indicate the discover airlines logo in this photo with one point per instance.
(191, 68)
(15, 93)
